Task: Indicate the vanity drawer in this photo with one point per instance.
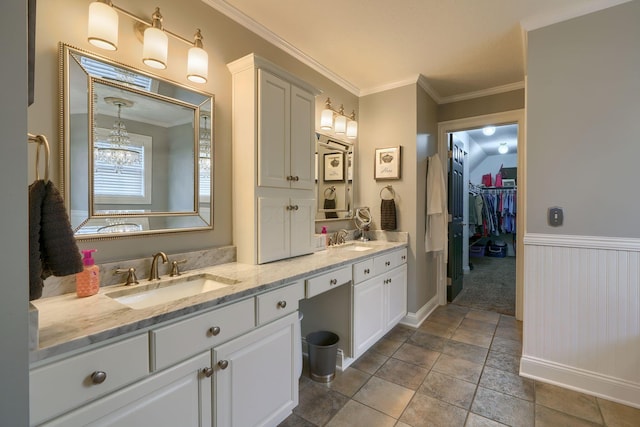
(363, 270)
(69, 383)
(386, 262)
(183, 339)
(328, 281)
(277, 303)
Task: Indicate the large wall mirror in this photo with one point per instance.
(138, 150)
(334, 178)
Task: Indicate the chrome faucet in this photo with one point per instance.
(341, 236)
(153, 274)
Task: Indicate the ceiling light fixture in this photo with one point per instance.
(503, 148)
(103, 33)
(489, 130)
(342, 124)
(118, 153)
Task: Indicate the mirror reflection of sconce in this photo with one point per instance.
(103, 33)
(342, 124)
(204, 155)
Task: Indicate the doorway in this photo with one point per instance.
(486, 216)
(476, 240)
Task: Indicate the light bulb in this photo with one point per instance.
(489, 130)
(503, 148)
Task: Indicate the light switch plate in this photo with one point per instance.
(555, 216)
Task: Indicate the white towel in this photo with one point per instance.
(435, 239)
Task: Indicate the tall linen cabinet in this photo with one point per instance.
(273, 162)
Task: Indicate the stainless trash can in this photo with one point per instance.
(323, 349)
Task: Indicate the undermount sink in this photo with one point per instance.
(358, 248)
(162, 292)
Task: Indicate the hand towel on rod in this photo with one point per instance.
(330, 204)
(388, 215)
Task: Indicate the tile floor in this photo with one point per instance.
(460, 368)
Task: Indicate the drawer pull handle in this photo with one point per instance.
(404, 257)
(366, 271)
(98, 377)
(214, 331)
(333, 282)
(207, 372)
(223, 364)
(282, 304)
(388, 263)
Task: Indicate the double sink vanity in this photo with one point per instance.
(202, 347)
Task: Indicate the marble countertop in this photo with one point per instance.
(68, 323)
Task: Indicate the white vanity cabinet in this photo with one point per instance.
(379, 297)
(273, 162)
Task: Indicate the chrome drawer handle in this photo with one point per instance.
(282, 304)
(207, 371)
(333, 282)
(98, 377)
(223, 364)
(214, 331)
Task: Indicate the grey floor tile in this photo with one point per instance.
(420, 356)
(447, 319)
(509, 332)
(427, 411)
(423, 339)
(617, 415)
(400, 333)
(568, 401)
(448, 389)
(385, 396)
(437, 329)
(504, 345)
(507, 383)
(402, 373)
(401, 424)
(472, 337)
(318, 404)
(503, 408)
(458, 368)
(484, 316)
(547, 417)
(506, 320)
(472, 353)
(478, 325)
(504, 361)
(349, 381)
(294, 420)
(386, 346)
(370, 362)
(355, 414)
(475, 420)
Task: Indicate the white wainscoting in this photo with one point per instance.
(582, 314)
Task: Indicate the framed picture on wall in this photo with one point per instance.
(388, 163)
(334, 167)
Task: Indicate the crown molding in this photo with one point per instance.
(484, 92)
(259, 29)
(566, 13)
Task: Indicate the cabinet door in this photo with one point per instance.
(274, 233)
(302, 139)
(255, 381)
(178, 396)
(302, 223)
(368, 314)
(396, 291)
(274, 120)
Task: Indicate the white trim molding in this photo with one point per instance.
(481, 93)
(582, 314)
(414, 320)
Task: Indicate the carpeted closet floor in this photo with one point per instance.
(491, 285)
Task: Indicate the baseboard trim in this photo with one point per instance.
(414, 320)
(587, 382)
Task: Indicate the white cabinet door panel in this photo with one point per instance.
(302, 139)
(368, 314)
(396, 295)
(302, 223)
(274, 239)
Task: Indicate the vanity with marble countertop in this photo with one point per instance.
(68, 323)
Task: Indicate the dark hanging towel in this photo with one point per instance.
(330, 204)
(388, 214)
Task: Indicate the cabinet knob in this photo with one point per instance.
(214, 331)
(207, 372)
(289, 178)
(404, 257)
(282, 304)
(333, 282)
(223, 364)
(388, 263)
(295, 207)
(296, 178)
(366, 271)
(98, 377)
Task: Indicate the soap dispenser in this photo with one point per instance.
(88, 280)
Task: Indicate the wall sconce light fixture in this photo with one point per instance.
(342, 124)
(103, 33)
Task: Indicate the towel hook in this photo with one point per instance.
(390, 189)
(41, 140)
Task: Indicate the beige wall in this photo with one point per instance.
(582, 124)
(14, 380)
(224, 40)
(507, 101)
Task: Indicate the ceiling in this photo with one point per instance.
(489, 144)
(462, 48)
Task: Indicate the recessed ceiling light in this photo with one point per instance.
(489, 130)
(503, 149)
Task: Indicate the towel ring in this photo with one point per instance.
(390, 189)
(42, 141)
(332, 192)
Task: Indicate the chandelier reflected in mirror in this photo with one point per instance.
(119, 152)
(204, 160)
